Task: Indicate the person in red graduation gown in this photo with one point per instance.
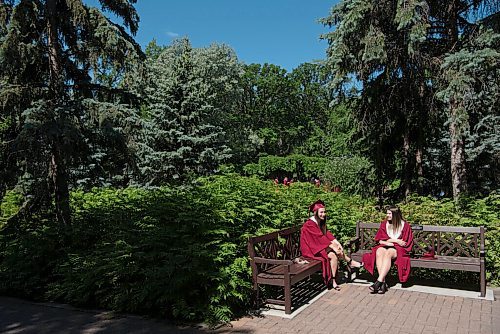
(395, 241)
(317, 243)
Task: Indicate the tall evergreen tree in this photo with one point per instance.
(185, 94)
(52, 54)
(456, 24)
(379, 44)
(396, 51)
(471, 92)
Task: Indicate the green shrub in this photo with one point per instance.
(355, 175)
(9, 206)
(297, 165)
(181, 252)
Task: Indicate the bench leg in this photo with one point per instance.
(288, 295)
(288, 300)
(483, 278)
(256, 291)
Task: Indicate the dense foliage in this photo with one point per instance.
(419, 69)
(102, 146)
(185, 97)
(352, 174)
(60, 124)
(181, 251)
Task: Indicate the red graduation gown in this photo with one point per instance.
(313, 243)
(403, 253)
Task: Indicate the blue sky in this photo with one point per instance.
(281, 32)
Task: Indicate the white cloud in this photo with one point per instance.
(172, 34)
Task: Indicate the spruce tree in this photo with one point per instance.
(397, 53)
(53, 55)
(185, 99)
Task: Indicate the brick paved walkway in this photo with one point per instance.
(355, 310)
(351, 310)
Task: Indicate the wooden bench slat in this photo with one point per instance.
(294, 269)
(444, 229)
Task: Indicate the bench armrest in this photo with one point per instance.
(272, 261)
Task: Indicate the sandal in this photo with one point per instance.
(330, 285)
(350, 267)
(375, 286)
(383, 288)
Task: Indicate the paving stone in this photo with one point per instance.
(351, 310)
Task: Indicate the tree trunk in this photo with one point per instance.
(419, 154)
(407, 172)
(457, 141)
(55, 80)
(58, 179)
(59, 185)
(458, 167)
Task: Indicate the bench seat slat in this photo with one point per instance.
(270, 258)
(294, 269)
(275, 275)
(441, 262)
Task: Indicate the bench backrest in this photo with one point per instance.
(446, 240)
(280, 245)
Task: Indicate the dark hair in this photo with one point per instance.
(397, 217)
(321, 224)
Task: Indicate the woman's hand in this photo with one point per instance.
(336, 246)
(386, 243)
(400, 242)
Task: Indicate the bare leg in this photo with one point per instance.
(380, 259)
(351, 263)
(334, 262)
(386, 262)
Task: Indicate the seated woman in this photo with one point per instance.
(316, 242)
(395, 241)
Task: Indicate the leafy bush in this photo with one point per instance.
(9, 206)
(181, 252)
(355, 175)
(303, 167)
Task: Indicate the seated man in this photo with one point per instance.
(317, 243)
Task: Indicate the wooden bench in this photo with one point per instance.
(456, 247)
(271, 260)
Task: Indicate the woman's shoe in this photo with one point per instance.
(350, 267)
(375, 286)
(332, 284)
(383, 288)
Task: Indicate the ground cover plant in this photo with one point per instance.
(180, 252)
